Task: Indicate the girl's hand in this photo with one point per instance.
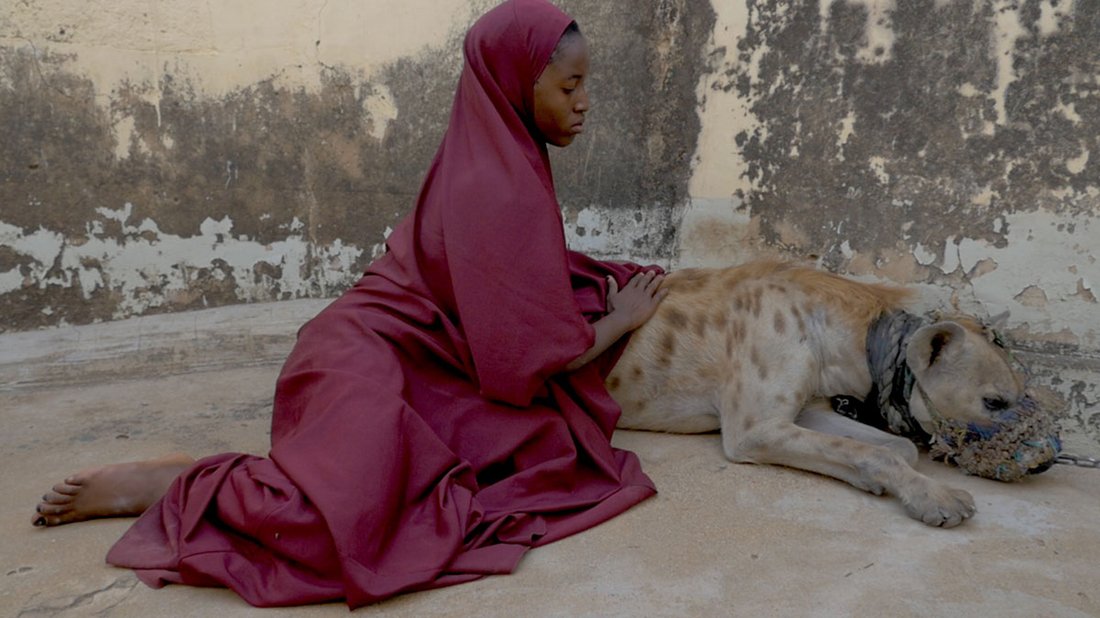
(637, 301)
(627, 309)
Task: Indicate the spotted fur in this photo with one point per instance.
(756, 351)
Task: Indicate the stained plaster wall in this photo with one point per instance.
(161, 155)
(953, 146)
(170, 154)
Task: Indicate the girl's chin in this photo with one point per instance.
(563, 140)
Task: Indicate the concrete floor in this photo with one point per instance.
(719, 540)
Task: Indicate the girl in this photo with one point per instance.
(448, 412)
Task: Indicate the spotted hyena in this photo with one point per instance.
(757, 351)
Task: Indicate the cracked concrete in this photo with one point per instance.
(719, 539)
(99, 601)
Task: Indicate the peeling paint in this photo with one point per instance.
(719, 168)
(1077, 164)
(1036, 295)
(620, 234)
(1052, 13)
(380, 110)
(923, 256)
(879, 44)
(147, 267)
(124, 134)
(1008, 31)
(227, 160)
(1032, 296)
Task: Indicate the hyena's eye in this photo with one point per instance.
(994, 404)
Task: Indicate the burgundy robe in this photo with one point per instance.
(425, 431)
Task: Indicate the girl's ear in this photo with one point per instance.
(933, 348)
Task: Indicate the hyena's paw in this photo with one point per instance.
(939, 505)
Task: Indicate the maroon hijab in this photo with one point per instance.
(424, 432)
(487, 234)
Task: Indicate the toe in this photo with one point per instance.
(66, 488)
(932, 518)
(57, 498)
(53, 509)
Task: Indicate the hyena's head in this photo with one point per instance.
(977, 404)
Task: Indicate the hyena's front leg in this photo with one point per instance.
(756, 438)
(819, 416)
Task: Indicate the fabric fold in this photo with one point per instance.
(424, 432)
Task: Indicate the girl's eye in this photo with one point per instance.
(568, 90)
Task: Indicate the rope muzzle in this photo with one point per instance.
(1015, 442)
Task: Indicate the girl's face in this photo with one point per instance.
(560, 97)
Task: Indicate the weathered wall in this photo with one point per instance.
(165, 155)
(949, 145)
(160, 155)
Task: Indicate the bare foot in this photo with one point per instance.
(118, 490)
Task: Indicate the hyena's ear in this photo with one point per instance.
(933, 348)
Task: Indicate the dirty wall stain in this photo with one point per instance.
(885, 122)
(625, 183)
(948, 145)
(263, 194)
(155, 197)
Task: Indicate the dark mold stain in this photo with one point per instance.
(644, 124)
(908, 110)
(260, 155)
(263, 155)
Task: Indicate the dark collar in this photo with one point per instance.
(886, 407)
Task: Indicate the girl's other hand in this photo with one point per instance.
(637, 301)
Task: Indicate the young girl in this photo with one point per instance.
(448, 412)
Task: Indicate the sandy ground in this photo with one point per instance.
(719, 540)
